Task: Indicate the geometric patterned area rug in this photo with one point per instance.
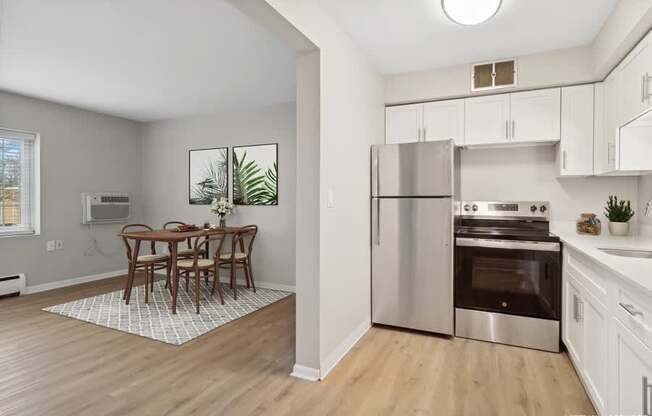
(155, 320)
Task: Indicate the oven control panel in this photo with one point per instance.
(517, 209)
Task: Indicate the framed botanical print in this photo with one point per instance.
(208, 175)
(255, 174)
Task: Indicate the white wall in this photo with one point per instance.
(81, 151)
(350, 120)
(165, 180)
(529, 173)
(626, 25)
(561, 67)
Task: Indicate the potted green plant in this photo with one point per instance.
(618, 213)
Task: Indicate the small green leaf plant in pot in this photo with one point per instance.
(618, 213)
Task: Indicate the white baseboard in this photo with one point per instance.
(305, 373)
(341, 350)
(70, 282)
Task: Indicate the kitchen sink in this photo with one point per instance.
(641, 254)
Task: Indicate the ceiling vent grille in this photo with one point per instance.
(493, 75)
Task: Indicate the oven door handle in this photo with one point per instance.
(507, 244)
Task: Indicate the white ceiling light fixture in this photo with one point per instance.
(470, 12)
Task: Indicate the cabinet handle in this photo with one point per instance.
(563, 159)
(575, 308)
(513, 129)
(643, 88)
(506, 130)
(646, 87)
(630, 309)
(424, 134)
(646, 396)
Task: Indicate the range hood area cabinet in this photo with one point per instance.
(519, 117)
(528, 117)
(575, 149)
(434, 121)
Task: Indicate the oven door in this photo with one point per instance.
(508, 276)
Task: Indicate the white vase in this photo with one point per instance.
(618, 228)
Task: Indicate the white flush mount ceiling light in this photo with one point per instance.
(470, 12)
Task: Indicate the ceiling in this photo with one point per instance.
(142, 59)
(412, 35)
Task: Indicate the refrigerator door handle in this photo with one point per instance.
(378, 172)
(377, 221)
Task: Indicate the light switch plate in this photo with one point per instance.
(58, 244)
(330, 199)
(50, 245)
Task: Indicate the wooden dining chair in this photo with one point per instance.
(240, 256)
(149, 262)
(198, 265)
(182, 253)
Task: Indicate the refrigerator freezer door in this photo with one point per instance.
(412, 276)
(412, 169)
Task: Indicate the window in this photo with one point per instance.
(19, 183)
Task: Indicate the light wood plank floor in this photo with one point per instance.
(52, 365)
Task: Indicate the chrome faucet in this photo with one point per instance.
(648, 207)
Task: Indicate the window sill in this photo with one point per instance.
(17, 233)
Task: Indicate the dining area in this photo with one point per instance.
(193, 253)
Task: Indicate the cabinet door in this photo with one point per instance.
(599, 139)
(611, 112)
(486, 120)
(595, 319)
(632, 370)
(572, 331)
(444, 120)
(535, 115)
(575, 151)
(403, 123)
(634, 84)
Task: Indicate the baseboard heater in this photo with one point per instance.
(12, 285)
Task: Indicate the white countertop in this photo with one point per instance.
(636, 270)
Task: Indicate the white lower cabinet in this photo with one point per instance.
(596, 340)
(631, 374)
(585, 334)
(572, 333)
(610, 356)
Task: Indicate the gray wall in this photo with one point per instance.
(165, 179)
(81, 151)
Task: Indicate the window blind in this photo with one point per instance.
(18, 183)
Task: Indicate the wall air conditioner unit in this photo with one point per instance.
(105, 208)
(12, 285)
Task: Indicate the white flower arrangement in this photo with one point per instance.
(221, 206)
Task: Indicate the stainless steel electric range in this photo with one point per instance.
(507, 274)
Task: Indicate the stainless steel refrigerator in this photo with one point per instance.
(414, 189)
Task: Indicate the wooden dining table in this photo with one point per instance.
(172, 238)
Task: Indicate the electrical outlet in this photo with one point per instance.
(50, 245)
(58, 244)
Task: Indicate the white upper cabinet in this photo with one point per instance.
(443, 120)
(634, 73)
(487, 120)
(575, 150)
(535, 115)
(403, 123)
